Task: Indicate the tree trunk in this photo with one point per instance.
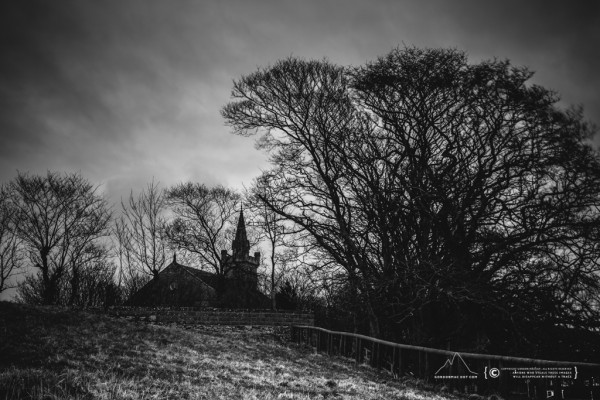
(74, 287)
(374, 327)
(48, 292)
(273, 299)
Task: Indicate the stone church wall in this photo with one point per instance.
(194, 316)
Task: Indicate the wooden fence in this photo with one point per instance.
(485, 374)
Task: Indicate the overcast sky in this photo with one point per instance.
(124, 91)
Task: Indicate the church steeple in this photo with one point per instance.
(241, 244)
(240, 267)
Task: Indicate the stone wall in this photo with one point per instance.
(199, 316)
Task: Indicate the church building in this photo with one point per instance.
(184, 286)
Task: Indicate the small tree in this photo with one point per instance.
(12, 256)
(130, 276)
(271, 226)
(140, 233)
(90, 273)
(97, 286)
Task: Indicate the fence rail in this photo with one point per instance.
(511, 377)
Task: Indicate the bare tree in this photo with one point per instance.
(96, 284)
(12, 256)
(59, 216)
(204, 222)
(89, 268)
(130, 276)
(271, 226)
(140, 232)
(456, 197)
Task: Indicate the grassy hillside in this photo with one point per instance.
(47, 353)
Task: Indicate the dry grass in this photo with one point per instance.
(54, 354)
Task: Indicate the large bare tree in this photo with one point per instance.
(59, 218)
(204, 221)
(461, 201)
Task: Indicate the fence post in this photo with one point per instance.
(346, 353)
(424, 374)
(401, 362)
(318, 341)
(305, 338)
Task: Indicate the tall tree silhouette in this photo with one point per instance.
(461, 201)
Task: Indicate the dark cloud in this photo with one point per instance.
(124, 91)
(94, 85)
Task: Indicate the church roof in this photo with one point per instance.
(209, 278)
(206, 277)
(177, 285)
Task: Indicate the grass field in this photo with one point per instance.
(47, 353)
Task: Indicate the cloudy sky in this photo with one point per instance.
(125, 91)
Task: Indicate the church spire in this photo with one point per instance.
(241, 245)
